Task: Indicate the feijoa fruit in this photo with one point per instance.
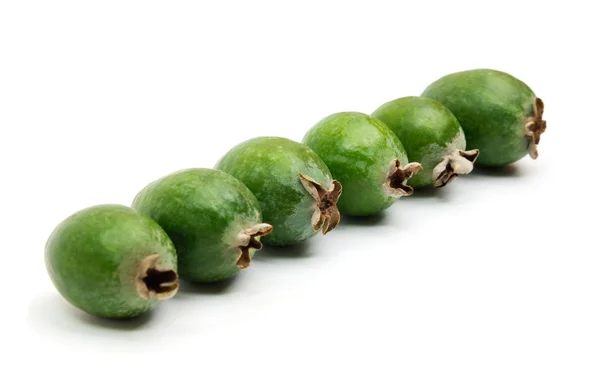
(214, 221)
(431, 136)
(366, 157)
(111, 261)
(296, 191)
(500, 114)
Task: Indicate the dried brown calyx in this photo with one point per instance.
(395, 184)
(326, 216)
(153, 281)
(535, 126)
(247, 240)
(457, 163)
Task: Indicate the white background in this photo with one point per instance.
(495, 279)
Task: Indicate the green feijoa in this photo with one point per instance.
(296, 191)
(213, 219)
(366, 157)
(500, 115)
(111, 261)
(431, 136)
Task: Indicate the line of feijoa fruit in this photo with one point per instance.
(205, 224)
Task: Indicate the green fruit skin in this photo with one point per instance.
(492, 108)
(92, 258)
(270, 168)
(358, 149)
(202, 211)
(428, 131)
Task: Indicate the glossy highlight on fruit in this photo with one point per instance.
(431, 136)
(111, 261)
(213, 219)
(366, 157)
(500, 115)
(296, 191)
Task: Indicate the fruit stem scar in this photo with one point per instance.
(535, 126)
(457, 163)
(395, 184)
(153, 281)
(247, 240)
(326, 216)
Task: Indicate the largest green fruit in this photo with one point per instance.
(296, 191)
(213, 219)
(111, 261)
(366, 157)
(501, 116)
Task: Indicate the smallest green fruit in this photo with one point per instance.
(432, 136)
(214, 221)
(111, 261)
(366, 157)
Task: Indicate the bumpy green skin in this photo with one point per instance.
(270, 168)
(202, 211)
(358, 149)
(492, 108)
(427, 129)
(92, 258)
